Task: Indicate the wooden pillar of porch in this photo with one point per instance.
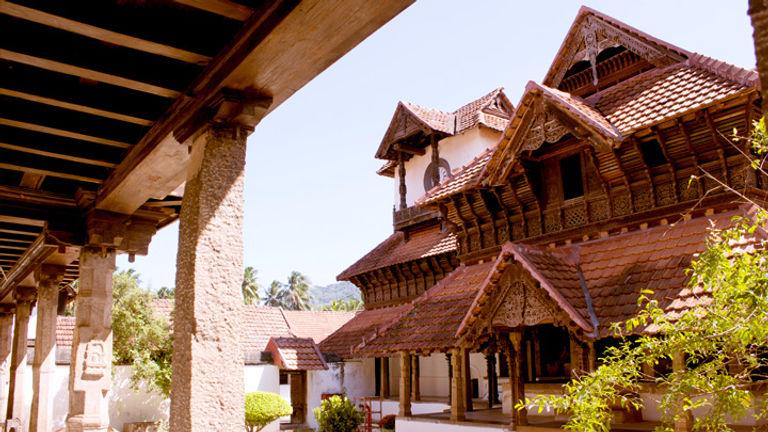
(469, 406)
(684, 420)
(415, 377)
(405, 385)
(577, 356)
(493, 383)
(519, 417)
(450, 376)
(592, 356)
(384, 374)
(458, 385)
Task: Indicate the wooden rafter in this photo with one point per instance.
(224, 8)
(101, 34)
(716, 141)
(61, 156)
(63, 133)
(670, 163)
(51, 173)
(689, 145)
(75, 107)
(646, 169)
(77, 71)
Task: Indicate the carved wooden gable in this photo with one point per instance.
(522, 302)
(592, 34)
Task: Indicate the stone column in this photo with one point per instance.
(405, 385)
(458, 389)
(90, 370)
(415, 378)
(44, 362)
(6, 344)
(24, 297)
(684, 420)
(207, 389)
(384, 377)
(516, 377)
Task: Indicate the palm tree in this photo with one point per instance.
(250, 286)
(274, 295)
(297, 292)
(348, 305)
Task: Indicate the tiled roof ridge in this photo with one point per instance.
(287, 323)
(485, 100)
(745, 77)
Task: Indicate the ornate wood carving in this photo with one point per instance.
(545, 127)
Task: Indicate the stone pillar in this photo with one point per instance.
(468, 405)
(405, 385)
(207, 389)
(384, 374)
(415, 378)
(44, 362)
(6, 344)
(684, 420)
(458, 389)
(24, 297)
(516, 374)
(90, 370)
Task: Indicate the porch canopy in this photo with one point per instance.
(110, 113)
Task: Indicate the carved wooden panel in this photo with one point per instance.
(599, 209)
(524, 305)
(621, 204)
(643, 199)
(575, 215)
(552, 221)
(665, 194)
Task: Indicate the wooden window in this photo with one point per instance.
(571, 176)
(652, 153)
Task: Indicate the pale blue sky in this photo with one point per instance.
(313, 200)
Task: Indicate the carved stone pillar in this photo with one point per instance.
(6, 344)
(384, 374)
(90, 370)
(44, 362)
(516, 374)
(25, 298)
(458, 386)
(405, 385)
(207, 389)
(415, 378)
(684, 421)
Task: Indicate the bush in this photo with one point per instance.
(262, 408)
(337, 414)
(388, 422)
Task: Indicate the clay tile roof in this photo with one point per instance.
(434, 118)
(578, 107)
(260, 323)
(163, 308)
(432, 323)
(396, 249)
(296, 353)
(663, 93)
(65, 330)
(365, 326)
(316, 325)
(463, 178)
(472, 114)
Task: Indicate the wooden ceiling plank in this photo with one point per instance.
(67, 176)
(17, 232)
(224, 8)
(75, 107)
(10, 240)
(4, 246)
(31, 180)
(77, 71)
(101, 34)
(65, 157)
(22, 221)
(63, 133)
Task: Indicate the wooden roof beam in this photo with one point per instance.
(410, 149)
(77, 71)
(225, 8)
(63, 133)
(82, 160)
(75, 107)
(51, 173)
(114, 38)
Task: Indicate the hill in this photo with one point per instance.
(323, 295)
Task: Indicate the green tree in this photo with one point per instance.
(140, 338)
(250, 286)
(348, 305)
(296, 294)
(338, 414)
(166, 293)
(274, 295)
(262, 408)
(721, 344)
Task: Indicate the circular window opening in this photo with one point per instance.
(443, 172)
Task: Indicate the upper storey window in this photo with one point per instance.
(440, 172)
(571, 176)
(653, 155)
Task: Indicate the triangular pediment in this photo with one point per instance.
(593, 33)
(409, 120)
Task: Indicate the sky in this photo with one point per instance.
(313, 200)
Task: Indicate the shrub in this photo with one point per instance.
(337, 414)
(262, 408)
(388, 422)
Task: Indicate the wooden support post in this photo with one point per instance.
(592, 364)
(684, 420)
(458, 395)
(577, 351)
(405, 385)
(468, 382)
(384, 373)
(415, 377)
(401, 175)
(450, 376)
(493, 383)
(516, 377)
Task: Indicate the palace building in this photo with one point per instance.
(523, 232)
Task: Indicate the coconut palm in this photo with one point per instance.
(250, 286)
(297, 292)
(274, 295)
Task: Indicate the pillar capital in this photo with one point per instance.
(50, 274)
(25, 294)
(232, 114)
(117, 231)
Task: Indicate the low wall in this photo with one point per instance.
(409, 424)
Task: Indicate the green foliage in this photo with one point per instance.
(296, 294)
(337, 414)
(140, 339)
(262, 408)
(349, 305)
(166, 293)
(250, 286)
(274, 295)
(388, 422)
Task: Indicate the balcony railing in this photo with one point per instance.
(411, 216)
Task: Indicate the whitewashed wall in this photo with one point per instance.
(433, 373)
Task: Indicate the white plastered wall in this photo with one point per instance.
(433, 375)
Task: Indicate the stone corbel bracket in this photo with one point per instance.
(117, 231)
(228, 108)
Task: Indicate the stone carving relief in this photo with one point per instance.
(95, 365)
(524, 305)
